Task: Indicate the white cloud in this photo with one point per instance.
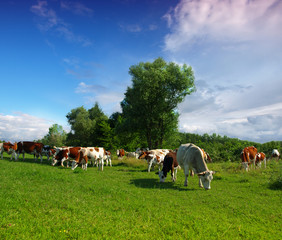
(48, 21)
(23, 127)
(93, 88)
(235, 50)
(77, 8)
(133, 28)
(224, 22)
(209, 110)
(108, 99)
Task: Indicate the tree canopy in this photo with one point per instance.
(150, 103)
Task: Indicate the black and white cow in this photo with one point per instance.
(170, 164)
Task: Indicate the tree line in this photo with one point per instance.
(149, 117)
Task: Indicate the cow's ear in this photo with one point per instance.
(201, 174)
(213, 172)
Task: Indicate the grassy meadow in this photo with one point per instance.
(38, 201)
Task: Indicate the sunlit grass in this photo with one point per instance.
(38, 201)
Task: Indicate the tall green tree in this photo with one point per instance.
(81, 127)
(55, 137)
(150, 104)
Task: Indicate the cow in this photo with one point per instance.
(154, 157)
(48, 151)
(248, 156)
(76, 154)
(131, 155)
(120, 153)
(190, 157)
(206, 156)
(108, 158)
(207, 159)
(260, 157)
(275, 154)
(170, 164)
(31, 148)
(8, 148)
(97, 155)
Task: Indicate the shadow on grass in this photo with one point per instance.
(155, 184)
(29, 160)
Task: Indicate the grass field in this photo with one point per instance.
(38, 201)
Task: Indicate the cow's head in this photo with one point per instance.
(162, 176)
(206, 178)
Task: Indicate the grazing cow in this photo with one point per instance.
(275, 154)
(75, 154)
(120, 153)
(31, 148)
(190, 157)
(248, 156)
(96, 155)
(8, 148)
(260, 157)
(154, 157)
(170, 164)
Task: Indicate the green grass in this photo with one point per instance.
(38, 201)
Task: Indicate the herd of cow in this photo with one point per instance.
(188, 156)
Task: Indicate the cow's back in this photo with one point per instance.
(192, 156)
(183, 150)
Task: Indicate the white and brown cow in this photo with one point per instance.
(170, 164)
(96, 155)
(30, 148)
(260, 157)
(248, 156)
(108, 158)
(154, 157)
(120, 153)
(8, 148)
(275, 154)
(76, 154)
(190, 157)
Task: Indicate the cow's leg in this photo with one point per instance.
(41, 159)
(62, 162)
(74, 165)
(102, 163)
(150, 165)
(245, 166)
(15, 155)
(1, 155)
(172, 174)
(175, 174)
(186, 172)
(264, 160)
(23, 156)
(200, 182)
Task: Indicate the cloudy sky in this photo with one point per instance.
(57, 55)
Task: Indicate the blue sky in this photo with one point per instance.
(57, 55)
